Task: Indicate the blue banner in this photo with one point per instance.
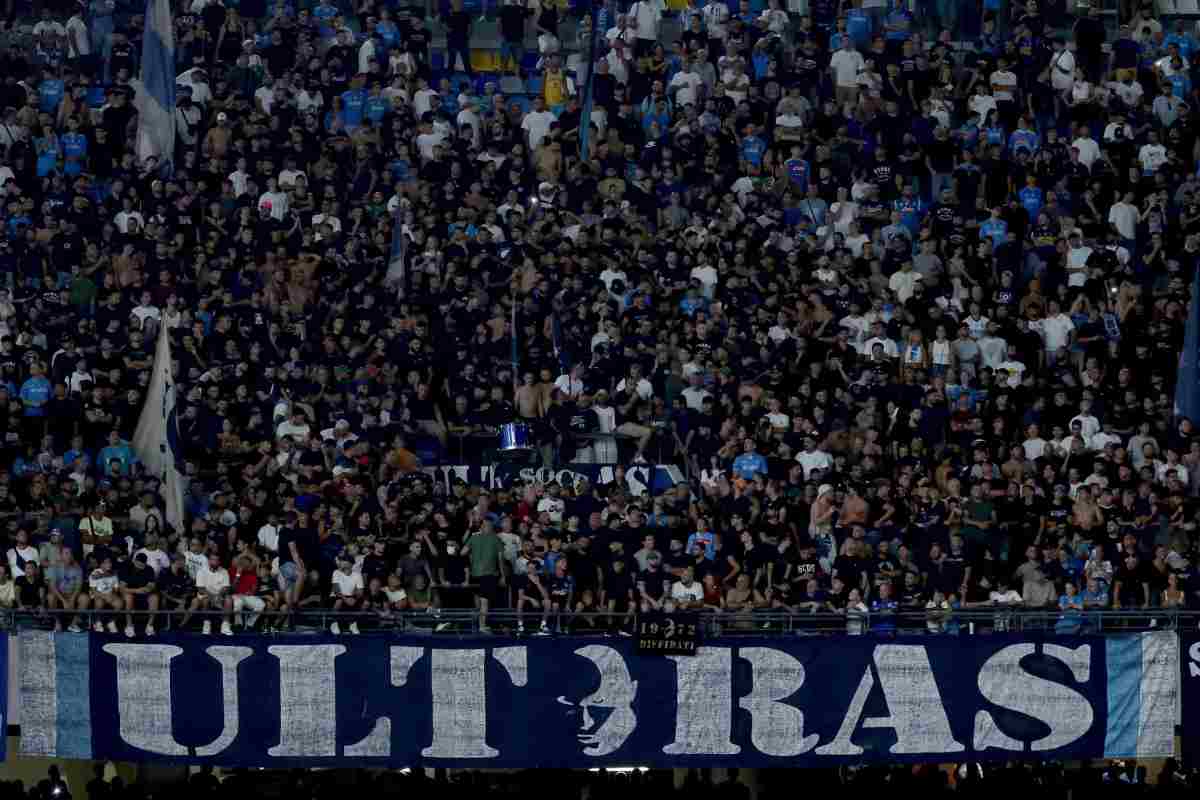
(1189, 684)
(580, 702)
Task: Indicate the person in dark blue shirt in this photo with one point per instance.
(883, 610)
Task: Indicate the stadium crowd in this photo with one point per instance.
(899, 289)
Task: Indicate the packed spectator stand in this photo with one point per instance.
(898, 291)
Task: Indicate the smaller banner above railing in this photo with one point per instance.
(639, 478)
(577, 702)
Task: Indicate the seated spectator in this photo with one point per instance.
(347, 592)
(103, 595)
(1070, 606)
(30, 590)
(139, 592)
(212, 594)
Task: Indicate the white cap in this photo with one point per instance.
(824, 489)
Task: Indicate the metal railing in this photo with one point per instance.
(466, 622)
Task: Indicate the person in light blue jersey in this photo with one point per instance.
(750, 462)
(325, 13)
(1024, 137)
(377, 106)
(387, 29)
(118, 451)
(354, 103)
(74, 148)
(797, 168)
(1032, 197)
(995, 228)
(35, 393)
(50, 92)
(753, 147)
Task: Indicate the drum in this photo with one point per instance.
(516, 438)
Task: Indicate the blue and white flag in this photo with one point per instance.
(397, 271)
(156, 439)
(1187, 386)
(155, 95)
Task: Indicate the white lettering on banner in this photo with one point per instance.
(1005, 683)
(307, 700)
(459, 709)
(640, 479)
(915, 707)
(1194, 655)
(776, 728)
(459, 705)
(704, 704)
(378, 743)
(144, 696)
(617, 691)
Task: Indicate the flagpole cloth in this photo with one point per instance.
(156, 440)
(154, 98)
(598, 16)
(1187, 387)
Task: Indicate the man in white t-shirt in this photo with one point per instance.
(646, 16)
(571, 384)
(1123, 217)
(347, 590)
(1012, 369)
(845, 66)
(1056, 329)
(1152, 154)
(1089, 150)
(811, 458)
(212, 592)
(1035, 445)
(686, 84)
(1062, 66)
(294, 426)
(1078, 254)
(537, 123)
(686, 593)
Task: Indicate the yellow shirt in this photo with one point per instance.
(554, 88)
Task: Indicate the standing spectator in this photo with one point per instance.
(488, 567)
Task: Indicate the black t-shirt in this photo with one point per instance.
(174, 583)
(849, 569)
(29, 590)
(306, 545)
(1131, 581)
(454, 566)
(617, 586)
(136, 577)
(652, 584)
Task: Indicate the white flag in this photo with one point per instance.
(154, 93)
(156, 440)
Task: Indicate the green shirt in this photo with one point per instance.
(485, 554)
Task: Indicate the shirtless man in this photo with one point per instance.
(854, 508)
(1086, 515)
(527, 397)
(545, 387)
